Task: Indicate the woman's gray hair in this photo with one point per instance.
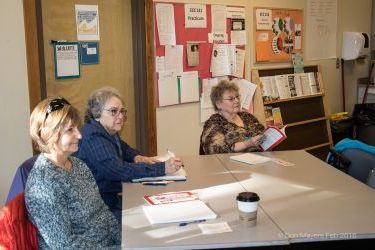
(98, 99)
(218, 91)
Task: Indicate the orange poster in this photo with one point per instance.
(278, 34)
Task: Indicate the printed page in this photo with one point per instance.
(189, 87)
(165, 23)
(168, 88)
(173, 58)
(220, 65)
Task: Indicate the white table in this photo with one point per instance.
(216, 186)
(310, 201)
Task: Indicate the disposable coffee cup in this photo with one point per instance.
(248, 207)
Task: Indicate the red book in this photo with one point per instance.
(273, 136)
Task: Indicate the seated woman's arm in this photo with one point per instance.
(101, 153)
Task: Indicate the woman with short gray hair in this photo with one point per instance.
(229, 129)
(112, 160)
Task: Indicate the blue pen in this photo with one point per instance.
(182, 224)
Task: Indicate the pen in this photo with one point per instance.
(156, 183)
(182, 224)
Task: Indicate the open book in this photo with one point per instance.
(273, 136)
(179, 175)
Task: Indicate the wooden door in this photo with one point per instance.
(115, 66)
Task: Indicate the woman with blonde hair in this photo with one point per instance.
(61, 195)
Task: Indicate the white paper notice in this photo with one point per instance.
(247, 91)
(159, 63)
(321, 28)
(173, 58)
(235, 12)
(87, 22)
(238, 37)
(165, 23)
(218, 37)
(220, 65)
(195, 16)
(189, 86)
(263, 19)
(218, 17)
(262, 37)
(168, 89)
(240, 63)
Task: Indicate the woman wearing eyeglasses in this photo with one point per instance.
(111, 159)
(229, 129)
(61, 194)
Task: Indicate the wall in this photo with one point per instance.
(14, 98)
(179, 127)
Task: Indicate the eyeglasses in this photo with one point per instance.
(232, 98)
(56, 104)
(116, 111)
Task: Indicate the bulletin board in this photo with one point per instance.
(185, 35)
(278, 34)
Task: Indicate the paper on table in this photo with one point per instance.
(249, 158)
(178, 212)
(215, 228)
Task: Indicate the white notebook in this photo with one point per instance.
(178, 212)
(250, 158)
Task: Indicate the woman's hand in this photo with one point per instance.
(173, 165)
(253, 142)
(256, 140)
(145, 159)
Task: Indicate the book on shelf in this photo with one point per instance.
(273, 136)
(269, 89)
(277, 118)
(282, 86)
(171, 197)
(268, 115)
(289, 85)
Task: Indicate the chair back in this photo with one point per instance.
(16, 229)
(361, 164)
(19, 180)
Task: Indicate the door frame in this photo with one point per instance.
(143, 62)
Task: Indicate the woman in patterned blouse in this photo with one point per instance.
(230, 130)
(61, 195)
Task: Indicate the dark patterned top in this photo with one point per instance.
(219, 135)
(67, 209)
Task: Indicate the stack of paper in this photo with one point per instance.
(250, 158)
(180, 175)
(179, 212)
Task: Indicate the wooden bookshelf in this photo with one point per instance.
(306, 116)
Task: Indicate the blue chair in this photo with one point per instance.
(354, 158)
(19, 180)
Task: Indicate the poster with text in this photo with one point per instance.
(278, 34)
